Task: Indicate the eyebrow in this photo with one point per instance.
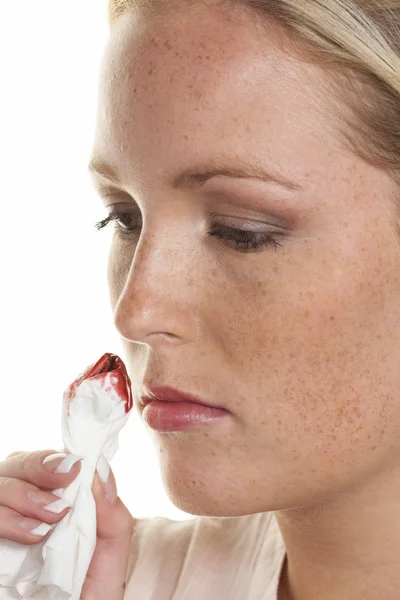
(196, 177)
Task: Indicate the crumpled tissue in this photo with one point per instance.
(96, 406)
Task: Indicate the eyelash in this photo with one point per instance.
(244, 240)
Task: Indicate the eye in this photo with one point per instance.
(128, 226)
(245, 240)
(126, 223)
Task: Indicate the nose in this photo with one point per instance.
(158, 303)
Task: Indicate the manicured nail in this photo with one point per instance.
(60, 463)
(46, 501)
(104, 470)
(32, 526)
(57, 506)
(69, 461)
(51, 462)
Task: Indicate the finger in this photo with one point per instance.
(10, 527)
(29, 467)
(30, 501)
(14, 453)
(114, 521)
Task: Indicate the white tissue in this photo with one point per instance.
(56, 569)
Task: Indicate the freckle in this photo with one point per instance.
(190, 86)
(150, 71)
(168, 45)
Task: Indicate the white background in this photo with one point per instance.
(55, 313)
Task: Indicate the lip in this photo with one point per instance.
(169, 394)
(178, 416)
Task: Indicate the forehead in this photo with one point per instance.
(197, 82)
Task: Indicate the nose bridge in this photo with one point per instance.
(158, 293)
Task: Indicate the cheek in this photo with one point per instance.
(317, 362)
(313, 403)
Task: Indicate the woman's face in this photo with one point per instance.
(299, 342)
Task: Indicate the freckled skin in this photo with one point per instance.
(301, 344)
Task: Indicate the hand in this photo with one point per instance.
(23, 473)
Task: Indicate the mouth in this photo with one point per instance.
(172, 395)
(171, 411)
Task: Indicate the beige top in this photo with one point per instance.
(206, 558)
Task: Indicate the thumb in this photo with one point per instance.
(113, 518)
(106, 577)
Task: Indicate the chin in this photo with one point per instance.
(203, 506)
(202, 499)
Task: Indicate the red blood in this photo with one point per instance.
(120, 381)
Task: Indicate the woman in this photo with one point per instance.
(249, 153)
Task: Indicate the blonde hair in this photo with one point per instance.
(359, 40)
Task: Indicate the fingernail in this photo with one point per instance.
(104, 470)
(66, 465)
(53, 461)
(42, 500)
(60, 463)
(47, 502)
(57, 506)
(32, 526)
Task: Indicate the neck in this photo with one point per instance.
(347, 549)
